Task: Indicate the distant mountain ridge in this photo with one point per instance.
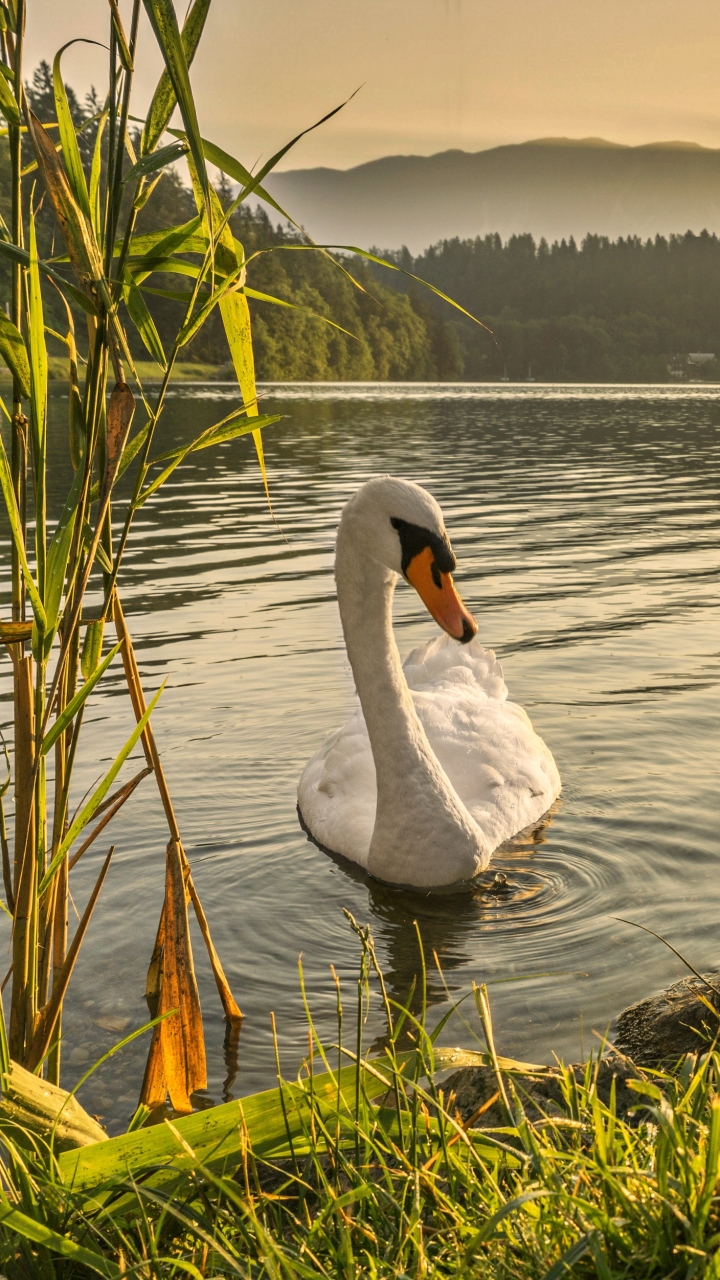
(552, 187)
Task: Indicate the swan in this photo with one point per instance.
(435, 769)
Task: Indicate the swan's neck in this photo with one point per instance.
(365, 595)
(423, 833)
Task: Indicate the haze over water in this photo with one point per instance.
(587, 530)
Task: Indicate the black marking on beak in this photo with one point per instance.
(414, 539)
(468, 632)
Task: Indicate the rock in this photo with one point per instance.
(654, 1032)
(112, 1022)
(658, 1030)
(540, 1094)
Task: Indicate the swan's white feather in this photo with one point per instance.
(501, 770)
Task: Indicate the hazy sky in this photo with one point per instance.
(435, 73)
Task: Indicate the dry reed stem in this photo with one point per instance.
(111, 805)
(152, 987)
(23, 1009)
(50, 1011)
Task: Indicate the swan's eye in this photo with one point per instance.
(436, 576)
(414, 539)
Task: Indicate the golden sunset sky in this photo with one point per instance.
(435, 74)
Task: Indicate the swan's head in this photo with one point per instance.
(400, 525)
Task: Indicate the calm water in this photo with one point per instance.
(587, 530)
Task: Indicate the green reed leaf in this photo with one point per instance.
(98, 795)
(163, 20)
(143, 321)
(144, 267)
(251, 187)
(75, 227)
(16, 254)
(197, 320)
(95, 175)
(186, 238)
(16, 530)
(156, 160)
(57, 561)
(294, 306)
(68, 715)
(121, 38)
(203, 441)
(164, 98)
(225, 430)
(68, 136)
(8, 105)
(234, 169)
(14, 353)
(92, 648)
(37, 347)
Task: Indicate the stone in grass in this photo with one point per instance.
(658, 1030)
(473, 1090)
(652, 1033)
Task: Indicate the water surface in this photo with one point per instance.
(585, 522)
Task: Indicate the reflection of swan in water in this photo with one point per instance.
(420, 787)
(450, 922)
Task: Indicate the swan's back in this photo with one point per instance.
(501, 770)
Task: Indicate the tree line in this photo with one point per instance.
(623, 310)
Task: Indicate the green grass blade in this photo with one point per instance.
(98, 795)
(164, 24)
(68, 137)
(31, 1229)
(60, 725)
(14, 353)
(156, 160)
(143, 321)
(164, 100)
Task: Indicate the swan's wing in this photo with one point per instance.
(337, 793)
(502, 771)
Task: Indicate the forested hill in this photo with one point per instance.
(622, 310)
(608, 310)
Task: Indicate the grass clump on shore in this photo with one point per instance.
(365, 1167)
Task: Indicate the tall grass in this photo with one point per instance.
(364, 1167)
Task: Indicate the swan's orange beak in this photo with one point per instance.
(438, 594)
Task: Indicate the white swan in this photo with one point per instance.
(435, 769)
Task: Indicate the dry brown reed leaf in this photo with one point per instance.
(119, 418)
(179, 1039)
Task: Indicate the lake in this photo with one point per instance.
(586, 525)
